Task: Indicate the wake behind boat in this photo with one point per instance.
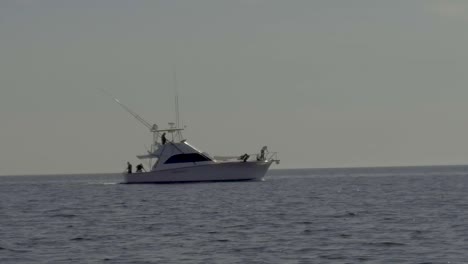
(175, 160)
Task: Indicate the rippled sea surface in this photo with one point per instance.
(374, 215)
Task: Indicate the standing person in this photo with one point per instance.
(163, 138)
(262, 153)
(129, 168)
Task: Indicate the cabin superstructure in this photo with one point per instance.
(176, 155)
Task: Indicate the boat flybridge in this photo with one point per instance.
(172, 159)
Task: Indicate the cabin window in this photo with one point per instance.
(185, 158)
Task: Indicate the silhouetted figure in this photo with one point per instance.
(129, 167)
(244, 157)
(262, 154)
(163, 138)
(140, 168)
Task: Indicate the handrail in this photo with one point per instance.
(273, 156)
(269, 156)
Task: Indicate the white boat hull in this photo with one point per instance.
(223, 171)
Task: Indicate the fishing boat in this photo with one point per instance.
(178, 161)
(172, 159)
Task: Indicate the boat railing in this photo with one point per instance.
(268, 156)
(273, 156)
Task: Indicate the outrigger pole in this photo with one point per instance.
(152, 128)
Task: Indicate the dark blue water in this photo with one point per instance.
(385, 215)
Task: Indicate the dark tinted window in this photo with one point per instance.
(184, 158)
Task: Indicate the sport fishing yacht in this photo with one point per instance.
(172, 159)
(178, 161)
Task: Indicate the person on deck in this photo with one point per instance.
(140, 168)
(163, 138)
(129, 167)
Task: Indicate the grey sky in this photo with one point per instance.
(329, 83)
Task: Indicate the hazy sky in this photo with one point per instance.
(327, 83)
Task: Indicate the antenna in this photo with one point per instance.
(176, 103)
(176, 99)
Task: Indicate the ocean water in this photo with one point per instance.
(366, 215)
